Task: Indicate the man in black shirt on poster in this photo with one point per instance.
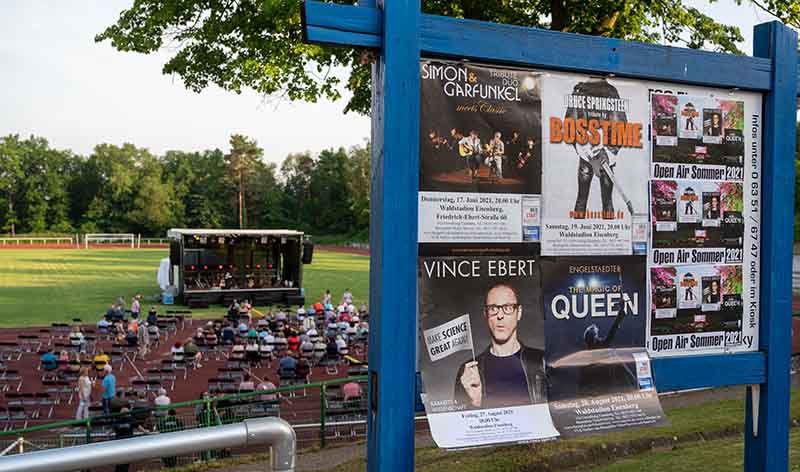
(507, 373)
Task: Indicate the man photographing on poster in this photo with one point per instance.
(506, 373)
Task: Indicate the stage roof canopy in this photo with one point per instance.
(177, 233)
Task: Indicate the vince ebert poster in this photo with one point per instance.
(595, 166)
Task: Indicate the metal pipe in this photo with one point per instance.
(258, 431)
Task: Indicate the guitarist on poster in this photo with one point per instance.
(470, 149)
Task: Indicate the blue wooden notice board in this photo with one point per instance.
(400, 34)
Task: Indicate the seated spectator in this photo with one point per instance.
(132, 338)
(302, 370)
(280, 342)
(319, 349)
(199, 336)
(193, 354)
(265, 351)
(247, 384)
(211, 339)
(233, 310)
(293, 341)
(101, 360)
(63, 360)
(252, 352)
(341, 346)
(280, 316)
(49, 360)
(161, 400)
(177, 351)
(243, 329)
(152, 316)
(237, 353)
(363, 327)
(76, 338)
(287, 364)
(252, 334)
(307, 348)
(347, 297)
(228, 335)
(133, 325)
(352, 390)
(141, 408)
(74, 363)
(154, 333)
(263, 335)
(103, 326)
(332, 349)
(267, 385)
(118, 313)
(351, 331)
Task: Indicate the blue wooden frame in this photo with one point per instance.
(403, 35)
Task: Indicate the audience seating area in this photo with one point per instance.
(229, 360)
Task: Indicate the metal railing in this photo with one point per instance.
(273, 431)
(317, 413)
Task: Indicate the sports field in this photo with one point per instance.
(43, 286)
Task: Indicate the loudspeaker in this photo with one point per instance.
(308, 252)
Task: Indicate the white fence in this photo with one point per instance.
(38, 241)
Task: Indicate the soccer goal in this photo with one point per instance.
(109, 238)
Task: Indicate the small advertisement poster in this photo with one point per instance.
(480, 154)
(598, 369)
(705, 213)
(697, 308)
(595, 161)
(696, 222)
(481, 356)
(697, 137)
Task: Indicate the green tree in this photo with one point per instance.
(296, 171)
(241, 162)
(10, 177)
(359, 183)
(258, 44)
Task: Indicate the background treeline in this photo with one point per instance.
(127, 189)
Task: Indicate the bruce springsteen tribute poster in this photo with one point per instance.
(481, 350)
(598, 369)
(595, 166)
(480, 154)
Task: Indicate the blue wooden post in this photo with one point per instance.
(393, 240)
(769, 451)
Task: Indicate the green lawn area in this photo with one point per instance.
(689, 444)
(43, 286)
(721, 455)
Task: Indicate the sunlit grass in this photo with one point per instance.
(43, 286)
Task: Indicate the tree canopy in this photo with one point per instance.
(258, 44)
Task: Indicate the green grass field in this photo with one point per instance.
(43, 286)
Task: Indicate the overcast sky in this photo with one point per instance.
(56, 82)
